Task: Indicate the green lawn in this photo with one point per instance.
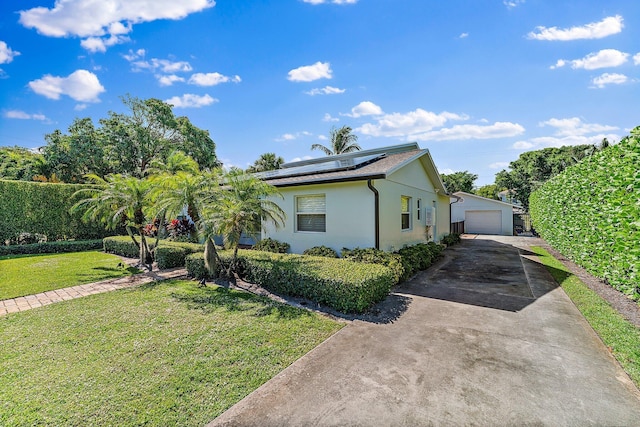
(621, 336)
(162, 354)
(30, 274)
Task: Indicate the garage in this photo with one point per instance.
(479, 215)
(483, 222)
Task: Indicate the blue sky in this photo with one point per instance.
(476, 82)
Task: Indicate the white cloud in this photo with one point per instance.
(463, 132)
(80, 107)
(409, 125)
(81, 85)
(189, 100)
(595, 30)
(6, 53)
(105, 19)
(18, 114)
(162, 65)
(327, 90)
(331, 1)
(168, 80)
(602, 59)
(463, 36)
(498, 165)
(609, 79)
(636, 58)
(293, 136)
(322, 138)
(309, 73)
(512, 3)
(297, 159)
(447, 171)
(365, 108)
(96, 44)
(327, 118)
(212, 79)
(575, 126)
(569, 131)
(552, 141)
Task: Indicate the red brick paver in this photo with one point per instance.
(28, 302)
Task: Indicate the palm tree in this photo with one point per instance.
(342, 141)
(176, 162)
(241, 207)
(266, 162)
(118, 200)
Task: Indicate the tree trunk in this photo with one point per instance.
(211, 258)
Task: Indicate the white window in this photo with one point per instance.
(418, 208)
(311, 213)
(405, 212)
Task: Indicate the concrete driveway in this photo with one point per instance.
(485, 339)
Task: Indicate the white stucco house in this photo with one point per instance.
(385, 198)
(482, 215)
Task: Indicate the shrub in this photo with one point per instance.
(168, 254)
(419, 257)
(376, 256)
(590, 213)
(61, 246)
(321, 251)
(271, 245)
(451, 239)
(341, 284)
(43, 208)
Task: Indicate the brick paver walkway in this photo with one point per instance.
(45, 298)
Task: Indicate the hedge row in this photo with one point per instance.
(591, 214)
(344, 285)
(168, 254)
(52, 247)
(43, 208)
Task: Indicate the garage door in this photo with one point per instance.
(483, 222)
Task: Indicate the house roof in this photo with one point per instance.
(378, 163)
(463, 195)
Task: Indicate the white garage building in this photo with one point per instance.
(482, 215)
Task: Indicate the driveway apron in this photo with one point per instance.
(486, 337)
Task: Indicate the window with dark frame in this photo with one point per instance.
(311, 213)
(405, 212)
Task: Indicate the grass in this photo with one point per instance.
(168, 353)
(621, 336)
(31, 274)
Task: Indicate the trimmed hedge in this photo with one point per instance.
(419, 257)
(169, 254)
(52, 247)
(377, 256)
(321, 251)
(341, 284)
(591, 214)
(43, 208)
(272, 245)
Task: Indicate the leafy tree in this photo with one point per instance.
(241, 207)
(127, 143)
(533, 168)
(80, 152)
(459, 181)
(342, 141)
(489, 191)
(119, 200)
(18, 163)
(266, 162)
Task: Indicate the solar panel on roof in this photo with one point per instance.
(322, 167)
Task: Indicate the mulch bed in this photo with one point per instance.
(628, 308)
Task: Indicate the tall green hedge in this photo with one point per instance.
(591, 214)
(43, 208)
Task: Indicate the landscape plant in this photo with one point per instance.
(117, 201)
(591, 214)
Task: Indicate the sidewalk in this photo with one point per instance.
(28, 302)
